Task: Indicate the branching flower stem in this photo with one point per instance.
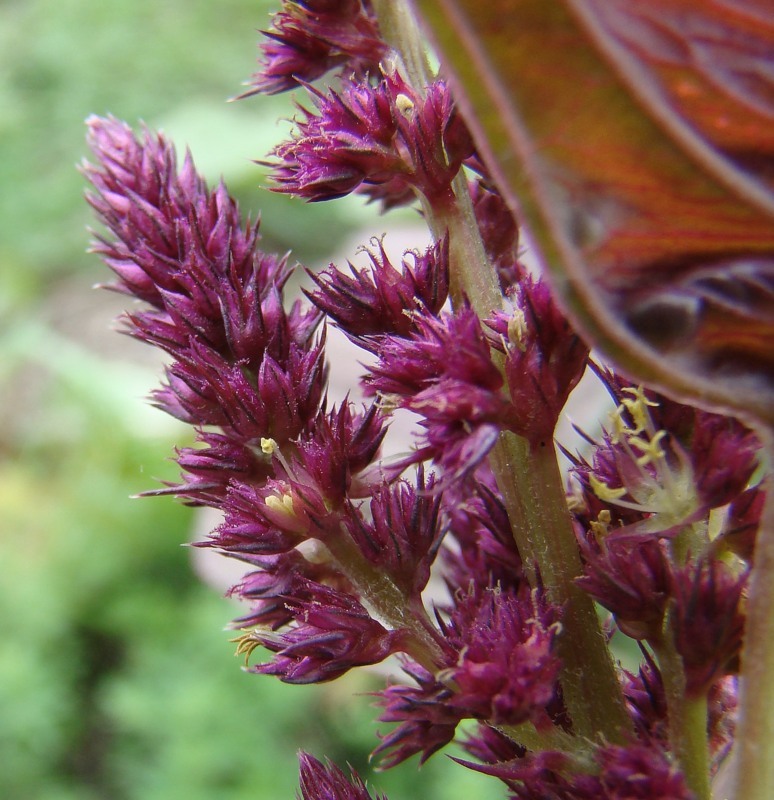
(528, 478)
(687, 716)
(388, 603)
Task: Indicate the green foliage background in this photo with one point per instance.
(116, 677)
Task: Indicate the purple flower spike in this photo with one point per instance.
(327, 782)
(368, 134)
(331, 634)
(507, 669)
(380, 300)
(403, 535)
(444, 372)
(171, 233)
(311, 37)
(709, 622)
(545, 358)
(427, 721)
(631, 576)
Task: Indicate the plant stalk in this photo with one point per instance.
(687, 716)
(754, 745)
(528, 478)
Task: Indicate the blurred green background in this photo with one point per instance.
(117, 679)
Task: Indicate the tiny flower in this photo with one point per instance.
(427, 721)
(716, 454)
(486, 554)
(642, 473)
(708, 621)
(646, 701)
(637, 772)
(282, 578)
(631, 576)
(444, 371)
(367, 134)
(490, 746)
(330, 634)
(381, 299)
(404, 533)
(507, 669)
(544, 358)
(311, 37)
(278, 402)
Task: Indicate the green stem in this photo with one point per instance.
(528, 478)
(754, 746)
(388, 602)
(398, 28)
(591, 688)
(687, 717)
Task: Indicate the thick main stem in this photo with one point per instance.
(528, 478)
(754, 746)
(591, 689)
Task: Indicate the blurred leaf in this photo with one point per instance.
(635, 139)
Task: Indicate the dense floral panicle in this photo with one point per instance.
(327, 782)
(444, 372)
(490, 746)
(308, 38)
(629, 575)
(332, 459)
(380, 299)
(331, 633)
(499, 233)
(485, 553)
(717, 452)
(206, 388)
(426, 720)
(171, 234)
(544, 358)
(646, 701)
(403, 533)
(708, 621)
(507, 668)
(367, 134)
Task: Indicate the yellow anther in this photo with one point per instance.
(651, 448)
(404, 104)
(268, 446)
(620, 429)
(282, 503)
(639, 395)
(245, 644)
(637, 405)
(517, 329)
(605, 492)
(601, 526)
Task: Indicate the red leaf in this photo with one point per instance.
(635, 138)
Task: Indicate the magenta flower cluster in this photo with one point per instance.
(340, 544)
